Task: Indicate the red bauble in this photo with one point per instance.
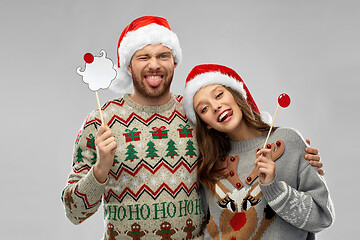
(89, 58)
(284, 100)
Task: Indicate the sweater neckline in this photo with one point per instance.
(149, 109)
(247, 145)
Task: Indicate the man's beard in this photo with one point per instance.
(148, 92)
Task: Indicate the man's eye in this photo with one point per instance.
(163, 56)
(143, 58)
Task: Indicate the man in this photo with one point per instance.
(142, 161)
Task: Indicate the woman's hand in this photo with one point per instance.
(265, 166)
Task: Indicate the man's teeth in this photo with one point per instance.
(153, 77)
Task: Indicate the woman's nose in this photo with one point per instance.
(216, 107)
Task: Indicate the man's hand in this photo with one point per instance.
(106, 146)
(314, 158)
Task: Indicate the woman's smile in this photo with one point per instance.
(225, 116)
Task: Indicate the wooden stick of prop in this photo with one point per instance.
(284, 102)
(272, 124)
(98, 102)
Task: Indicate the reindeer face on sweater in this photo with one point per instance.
(239, 218)
(238, 213)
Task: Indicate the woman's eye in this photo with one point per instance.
(219, 95)
(203, 109)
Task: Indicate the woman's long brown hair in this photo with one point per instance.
(214, 145)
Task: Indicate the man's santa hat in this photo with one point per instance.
(207, 74)
(138, 34)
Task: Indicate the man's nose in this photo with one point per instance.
(153, 64)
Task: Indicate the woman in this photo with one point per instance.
(246, 193)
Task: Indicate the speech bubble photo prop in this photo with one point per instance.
(98, 74)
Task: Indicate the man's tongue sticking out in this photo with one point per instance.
(154, 80)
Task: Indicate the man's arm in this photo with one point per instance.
(83, 193)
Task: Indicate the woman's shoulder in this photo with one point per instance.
(290, 134)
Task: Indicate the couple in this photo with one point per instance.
(146, 161)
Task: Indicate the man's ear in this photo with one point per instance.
(175, 64)
(130, 69)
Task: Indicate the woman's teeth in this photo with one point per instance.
(223, 116)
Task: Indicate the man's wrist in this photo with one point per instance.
(100, 173)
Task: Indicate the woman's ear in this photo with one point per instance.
(209, 127)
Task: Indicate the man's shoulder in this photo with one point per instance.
(93, 118)
(179, 98)
(112, 104)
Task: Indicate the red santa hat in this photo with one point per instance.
(207, 74)
(138, 34)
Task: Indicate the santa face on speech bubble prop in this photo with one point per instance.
(99, 71)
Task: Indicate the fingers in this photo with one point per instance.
(314, 158)
(317, 164)
(103, 134)
(109, 144)
(263, 162)
(105, 140)
(263, 152)
(312, 150)
(265, 168)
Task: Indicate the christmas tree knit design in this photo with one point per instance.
(191, 149)
(93, 159)
(79, 156)
(131, 153)
(171, 149)
(151, 150)
(115, 160)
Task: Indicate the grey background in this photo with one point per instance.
(308, 49)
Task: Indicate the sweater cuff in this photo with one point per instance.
(272, 190)
(91, 189)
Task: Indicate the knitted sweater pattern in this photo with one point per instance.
(151, 191)
(295, 205)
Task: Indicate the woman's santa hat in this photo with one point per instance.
(138, 34)
(207, 74)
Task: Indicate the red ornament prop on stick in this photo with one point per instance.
(284, 102)
(88, 58)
